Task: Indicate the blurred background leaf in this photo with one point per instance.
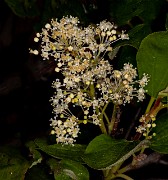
(12, 164)
(24, 8)
(123, 11)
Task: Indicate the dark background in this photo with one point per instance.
(25, 80)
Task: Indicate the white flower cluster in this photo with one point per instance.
(147, 124)
(89, 82)
(66, 131)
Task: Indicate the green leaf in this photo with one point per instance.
(62, 151)
(104, 151)
(123, 11)
(12, 165)
(75, 170)
(159, 142)
(62, 176)
(152, 59)
(68, 169)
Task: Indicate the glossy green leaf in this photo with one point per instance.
(62, 151)
(104, 151)
(159, 142)
(152, 59)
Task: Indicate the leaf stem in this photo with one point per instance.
(102, 126)
(152, 99)
(124, 169)
(124, 176)
(106, 117)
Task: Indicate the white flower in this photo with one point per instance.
(57, 69)
(65, 132)
(89, 81)
(36, 39)
(47, 26)
(35, 52)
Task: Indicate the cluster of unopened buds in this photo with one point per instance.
(147, 124)
(89, 81)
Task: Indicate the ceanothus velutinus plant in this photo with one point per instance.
(89, 82)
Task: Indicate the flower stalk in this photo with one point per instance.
(113, 119)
